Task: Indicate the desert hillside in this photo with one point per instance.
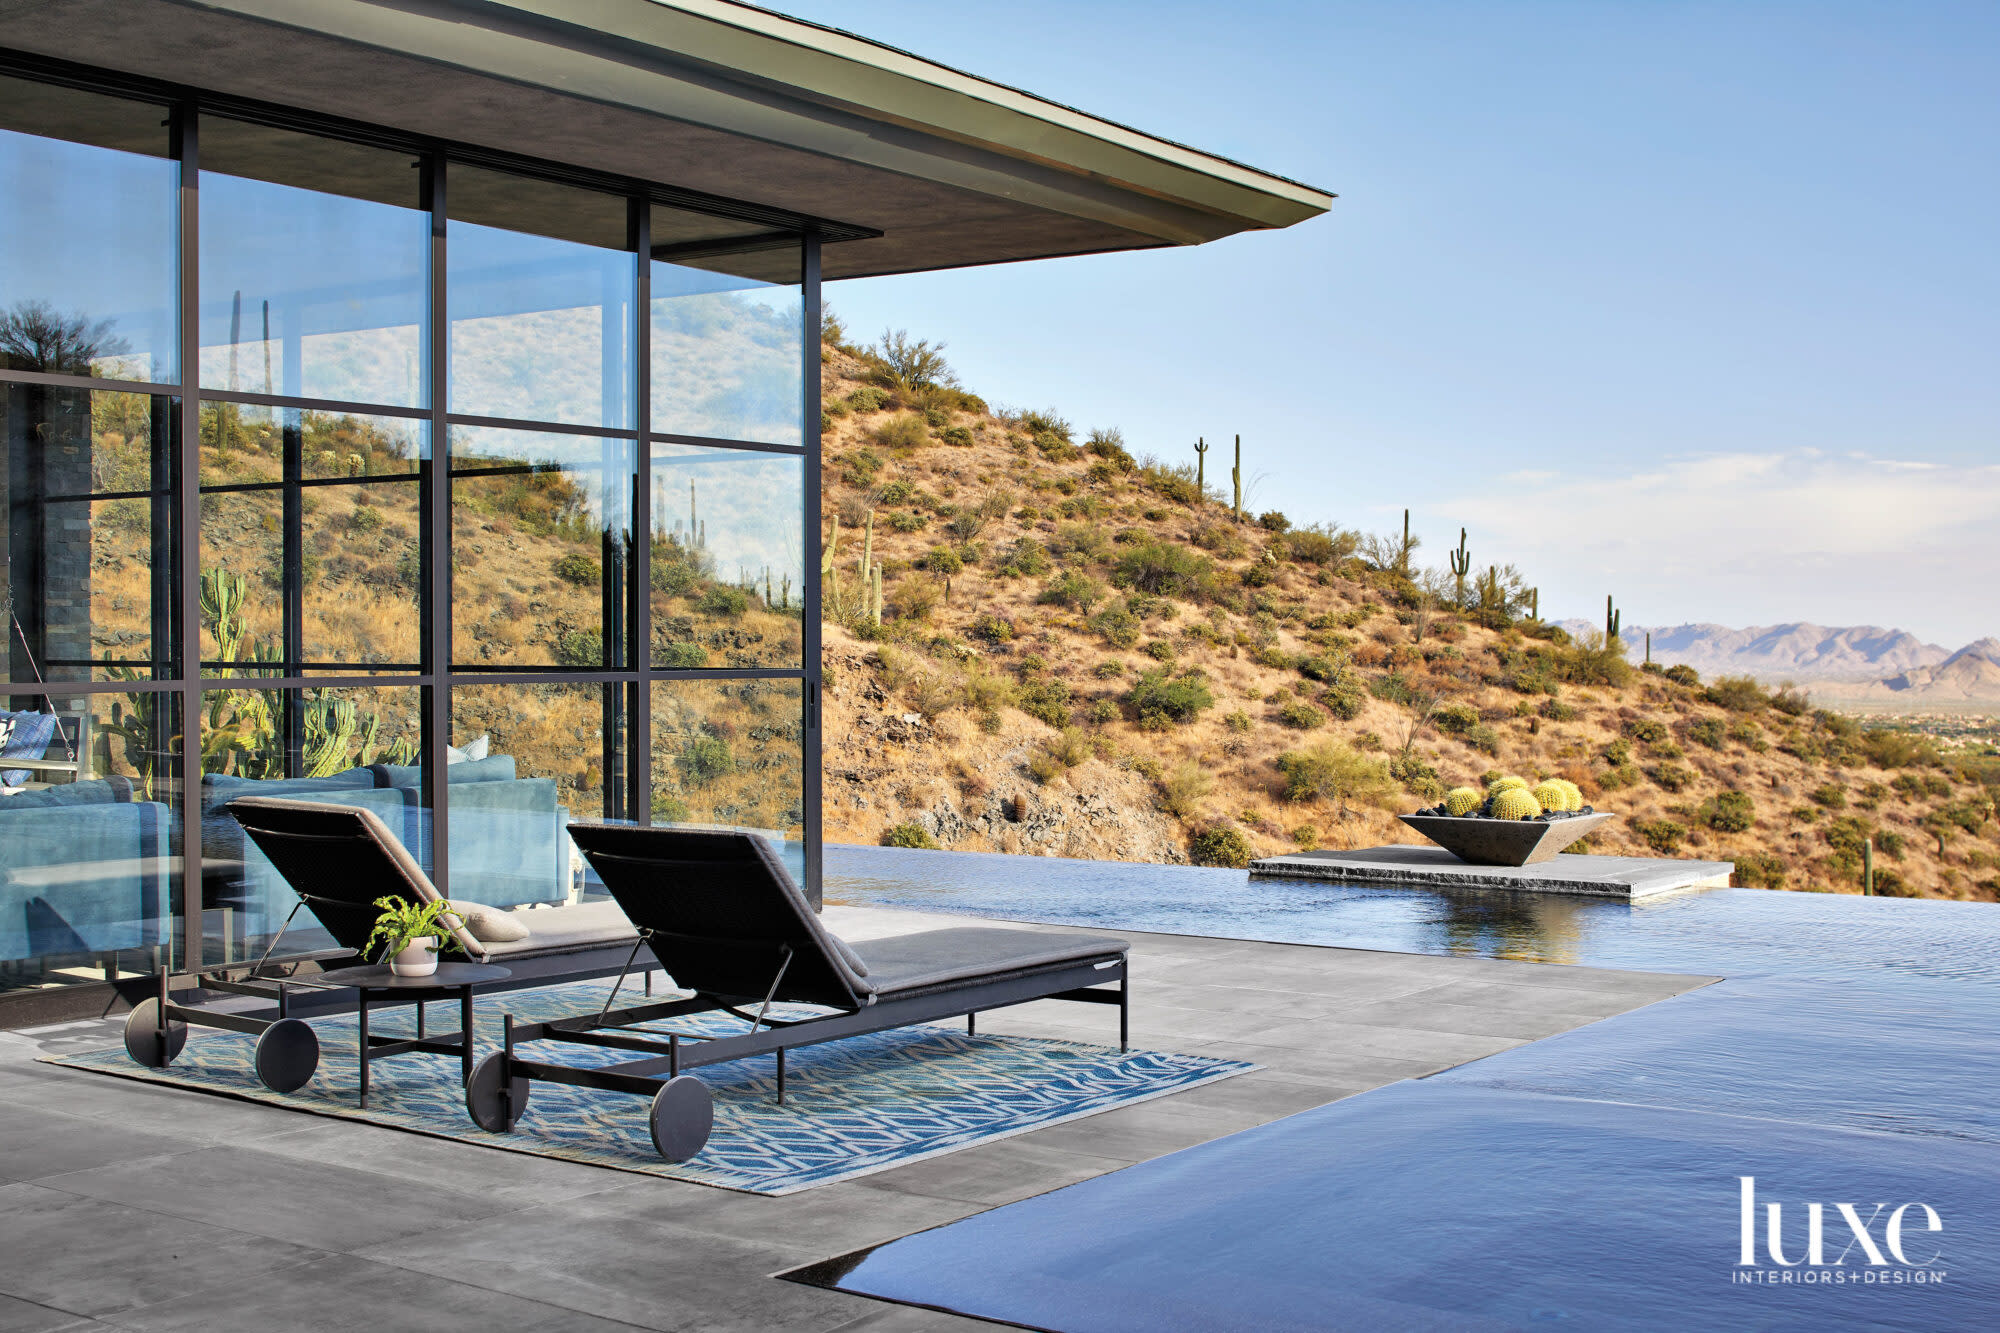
(1038, 643)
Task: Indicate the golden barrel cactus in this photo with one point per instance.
(1572, 794)
(1513, 803)
(1498, 785)
(1550, 795)
(1463, 800)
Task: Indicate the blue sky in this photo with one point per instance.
(1696, 304)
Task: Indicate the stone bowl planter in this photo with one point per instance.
(1505, 842)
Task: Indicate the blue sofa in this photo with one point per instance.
(508, 844)
(85, 869)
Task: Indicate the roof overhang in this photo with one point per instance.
(721, 98)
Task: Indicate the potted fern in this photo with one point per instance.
(411, 935)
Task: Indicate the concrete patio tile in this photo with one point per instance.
(829, 1220)
(35, 1142)
(95, 1257)
(647, 1274)
(504, 1177)
(249, 1189)
(18, 1316)
(995, 1173)
(172, 1112)
(1397, 1043)
(1542, 998)
(910, 1319)
(346, 1294)
(1422, 1012)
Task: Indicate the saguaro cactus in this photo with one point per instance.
(1535, 603)
(1612, 619)
(222, 597)
(1236, 479)
(1201, 467)
(1461, 564)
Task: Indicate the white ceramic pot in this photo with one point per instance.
(416, 958)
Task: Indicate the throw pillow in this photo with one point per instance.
(490, 925)
(461, 754)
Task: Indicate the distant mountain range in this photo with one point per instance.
(1860, 664)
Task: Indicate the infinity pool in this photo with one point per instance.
(1851, 1055)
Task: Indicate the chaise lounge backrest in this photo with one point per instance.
(722, 913)
(340, 859)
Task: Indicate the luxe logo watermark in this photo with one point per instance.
(1875, 1243)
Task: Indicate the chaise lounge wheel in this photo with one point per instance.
(142, 1036)
(683, 1113)
(494, 1108)
(287, 1055)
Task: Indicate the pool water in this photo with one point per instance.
(1850, 1055)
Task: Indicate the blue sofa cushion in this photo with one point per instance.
(27, 739)
(222, 836)
(112, 886)
(110, 791)
(499, 768)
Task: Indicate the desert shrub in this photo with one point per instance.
(956, 436)
(858, 469)
(723, 600)
(1183, 787)
(1646, 730)
(669, 808)
(1664, 836)
(1671, 777)
(1260, 574)
(1082, 539)
(1071, 747)
(1165, 569)
(1745, 732)
(1226, 847)
(933, 693)
(867, 398)
(1729, 812)
(991, 628)
(685, 655)
(1760, 870)
(1888, 748)
(1619, 776)
(1555, 710)
(1072, 588)
(579, 569)
(1162, 700)
(1336, 773)
(908, 520)
(1455, 719)
(1238, 721)
(911, 835)
(1318, 545)
(1026, 558)
(1175, 483)
(579, 649)
(1829, 796)
(1328, 667)
(915, 599)
(1117, 625)
(1739, 694)
(1273, 521)
(365, 518)
(704, 759)
(1301, 714)
(1790, 701)
(1708, 731)
(1046, 700)
(1618, 752)
(1344, 699)
(904, 430)
(1418, 777)
(1683, 674)
(1483, 739)
(1160, 650)
(1892, 844)
(1109, 669)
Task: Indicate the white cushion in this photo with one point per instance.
(575, 927)
(465, 754)
(490, 925)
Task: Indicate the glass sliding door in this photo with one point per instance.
(332, 467)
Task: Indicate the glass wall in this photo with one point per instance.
(268, 561)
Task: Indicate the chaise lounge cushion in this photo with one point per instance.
(490, 925)
(563, 929)
(904, 965)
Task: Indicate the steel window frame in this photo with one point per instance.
(436, 675)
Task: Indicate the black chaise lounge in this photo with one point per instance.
(725, 921)
(339, 859)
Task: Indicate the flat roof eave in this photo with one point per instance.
(707, 95)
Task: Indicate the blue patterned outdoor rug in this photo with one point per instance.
(852, 1107)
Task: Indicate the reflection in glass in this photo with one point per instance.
(728, 356)
(90, 841)
(730, 754)
(87, 270)
(314, 267)
(310, 554)
(728, 564)
(354, 747)
(86, 534)
(534, 757)
(541, 538)
(542, 294)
